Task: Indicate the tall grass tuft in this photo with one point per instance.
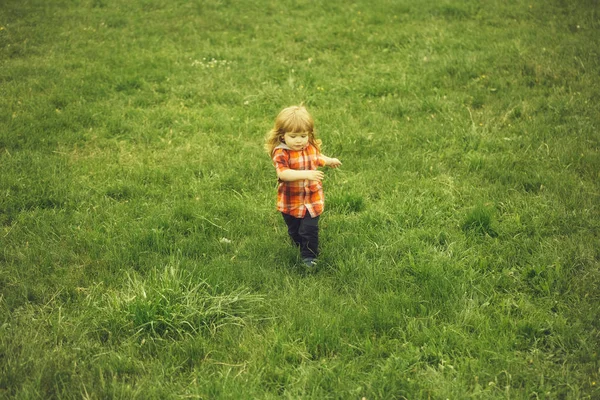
(168, 303)
(480, 220)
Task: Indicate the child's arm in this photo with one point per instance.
(332, 162)
(289, 175)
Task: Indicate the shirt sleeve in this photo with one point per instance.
(321, 161)
(281, 159)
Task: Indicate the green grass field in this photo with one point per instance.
(141, 255)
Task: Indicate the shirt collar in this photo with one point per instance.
(283, 146)
(286, 147)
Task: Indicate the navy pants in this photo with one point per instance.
(304, 232)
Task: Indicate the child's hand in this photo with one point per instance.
(315, 175)
(334, 162)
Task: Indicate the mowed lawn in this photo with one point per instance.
(141, 254)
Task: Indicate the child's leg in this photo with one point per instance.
(293, 225)
(309, 232)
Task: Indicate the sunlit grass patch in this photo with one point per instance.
(141, 253)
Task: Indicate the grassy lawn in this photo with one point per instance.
(141, 254)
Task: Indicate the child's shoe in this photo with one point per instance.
(310, 263)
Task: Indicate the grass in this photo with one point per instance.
(141, 254)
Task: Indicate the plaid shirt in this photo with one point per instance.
(295, 197)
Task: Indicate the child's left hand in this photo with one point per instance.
(334, 162)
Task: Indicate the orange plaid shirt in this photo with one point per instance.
(296, 197)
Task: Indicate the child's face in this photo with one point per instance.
(296, 140)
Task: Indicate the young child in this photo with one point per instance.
(296, 154)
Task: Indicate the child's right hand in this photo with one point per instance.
(315, 175)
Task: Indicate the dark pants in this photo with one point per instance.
(304, 233)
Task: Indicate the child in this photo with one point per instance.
(296, 154)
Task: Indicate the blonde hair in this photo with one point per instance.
(291, 119)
